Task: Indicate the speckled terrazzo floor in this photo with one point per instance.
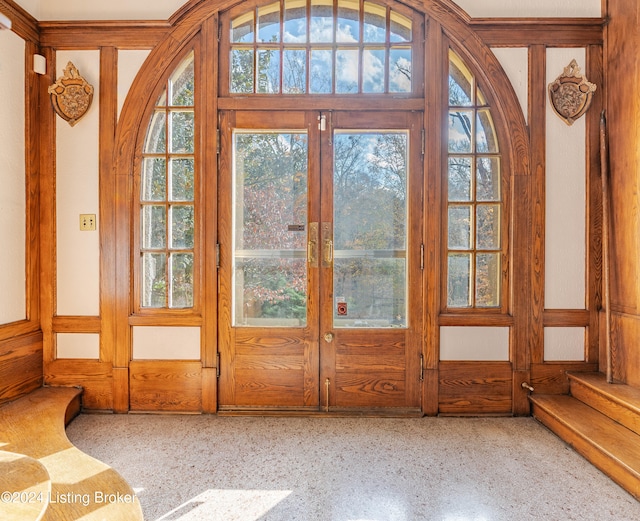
(350, 469)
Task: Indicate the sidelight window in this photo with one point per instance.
(474, 195)
(167, 208)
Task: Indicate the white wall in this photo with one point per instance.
(566, 192)
(12, 179)
(515, 63)
(531, 8)
(564, 344)
(474, 343)
(129, 63)
(78, 345)
(78, 252)
(166, 343)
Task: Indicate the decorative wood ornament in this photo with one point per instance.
(71, 95)
(570, 94)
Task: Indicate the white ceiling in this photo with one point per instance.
(163, 9)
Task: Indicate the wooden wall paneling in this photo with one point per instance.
(551, 377)
(537, 135)
(122, 302)
(106, 218)
(166, 386)
(434, 125)
(623, 110)
(475, 388)
(94, 377)
(120, 389)
(208, 204)
(625, 357)
(20, 366)
(87, 35)
(33, 84)
(47, 214)
(594, 290)
(22, 23)
(76, 324)
(567, 318)
(523, 32)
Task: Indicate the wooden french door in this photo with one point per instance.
(320, 230)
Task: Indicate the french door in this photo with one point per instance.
(320, 226)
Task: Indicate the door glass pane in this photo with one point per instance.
(370, 229)
(270, 229)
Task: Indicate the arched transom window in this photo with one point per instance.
(320, 47)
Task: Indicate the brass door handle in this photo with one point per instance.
(328, 252)
(312, 245)
(328, 337)
(327, 245)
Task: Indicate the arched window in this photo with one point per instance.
(167, 198)
(320, 47)
(325, 48)
(474, 195)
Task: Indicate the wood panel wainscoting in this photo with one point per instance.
(21, 366)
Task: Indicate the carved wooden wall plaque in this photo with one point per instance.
(570, 94)
(71, 95)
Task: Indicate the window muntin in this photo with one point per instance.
(167, 197)
(474, 196)
(321, 47)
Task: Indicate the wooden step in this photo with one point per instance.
(611, 447)
(618, 401)
(81, 487)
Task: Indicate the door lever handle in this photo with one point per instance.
(328, 251)
(327, 245)
(312, 245)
